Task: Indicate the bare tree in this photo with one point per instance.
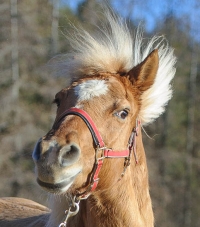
(14, 49)
(191, 123)
(54, 27)
(190, 139)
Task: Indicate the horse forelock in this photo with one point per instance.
(90, 88)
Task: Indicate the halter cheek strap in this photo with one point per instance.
(102, 151)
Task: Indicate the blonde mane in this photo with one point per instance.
(115, 50)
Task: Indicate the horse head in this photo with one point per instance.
(66, 155)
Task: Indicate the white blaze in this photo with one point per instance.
(90, 89)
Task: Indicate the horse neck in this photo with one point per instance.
(121, 203)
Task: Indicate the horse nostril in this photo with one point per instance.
(37, 151)
(69, 154)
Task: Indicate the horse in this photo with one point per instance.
(92, 162)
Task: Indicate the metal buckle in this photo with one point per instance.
(101, 154)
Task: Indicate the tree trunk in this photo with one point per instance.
(190, 139)
(14, 50)
(54, 27)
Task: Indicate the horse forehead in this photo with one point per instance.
(88, 89)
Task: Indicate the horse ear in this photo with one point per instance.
(143, 75)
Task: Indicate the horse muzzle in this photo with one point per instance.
(51, 152)
(55, 164)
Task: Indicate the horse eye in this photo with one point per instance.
(122, 114)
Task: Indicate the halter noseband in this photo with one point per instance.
(101, 152)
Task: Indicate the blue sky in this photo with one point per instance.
(152, 12)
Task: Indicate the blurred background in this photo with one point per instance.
(32, 32)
